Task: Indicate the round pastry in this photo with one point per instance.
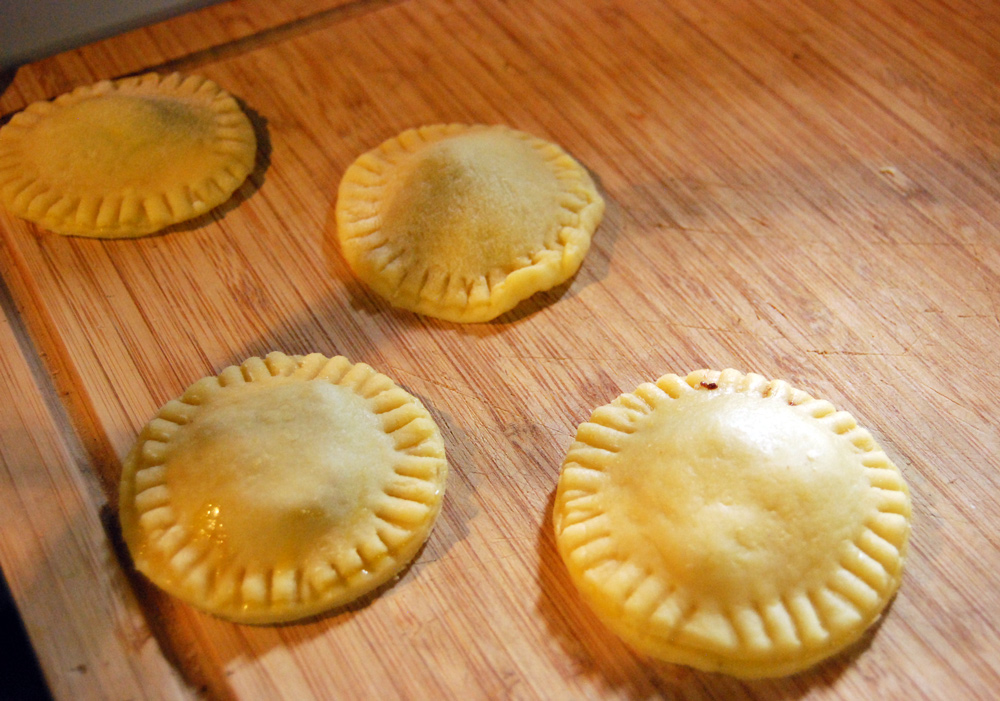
(282, 488)
(463, 222)
(731, 523)
(125, 158)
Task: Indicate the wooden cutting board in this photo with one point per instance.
(808, 190)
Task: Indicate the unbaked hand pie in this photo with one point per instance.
(282, 488)
(125, 158)
(731, 523)
(463, 222)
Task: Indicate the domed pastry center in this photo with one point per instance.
(478, 201)
(123, 141)
(272, 470)
(736, 497)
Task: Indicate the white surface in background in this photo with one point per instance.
(34, 29)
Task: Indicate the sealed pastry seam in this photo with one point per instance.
(125, 158)
(823, 600)
(326, 492)
(382, 247)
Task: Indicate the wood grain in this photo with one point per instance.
(224, 29)
(803, 189)
(90, 634)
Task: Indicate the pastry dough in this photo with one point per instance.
(125, 158)
(282, 488)
(463, 222)
(731, 523)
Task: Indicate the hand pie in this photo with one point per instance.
(731, 523)
(282, 488)
(463, 222)
(125, 158)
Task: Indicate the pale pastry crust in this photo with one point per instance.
(731, 523)
(463, 222)
(125, 158)
(282, 488)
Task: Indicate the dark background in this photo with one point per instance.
(20, 676)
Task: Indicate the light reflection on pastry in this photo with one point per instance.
(731, 523)
(125, 158)
(463, 222)
(282, 488)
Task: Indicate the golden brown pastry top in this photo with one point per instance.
(463, 222)
(731, 523)
(125, 158)
(282, 488)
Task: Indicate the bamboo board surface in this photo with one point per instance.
(808, 190)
